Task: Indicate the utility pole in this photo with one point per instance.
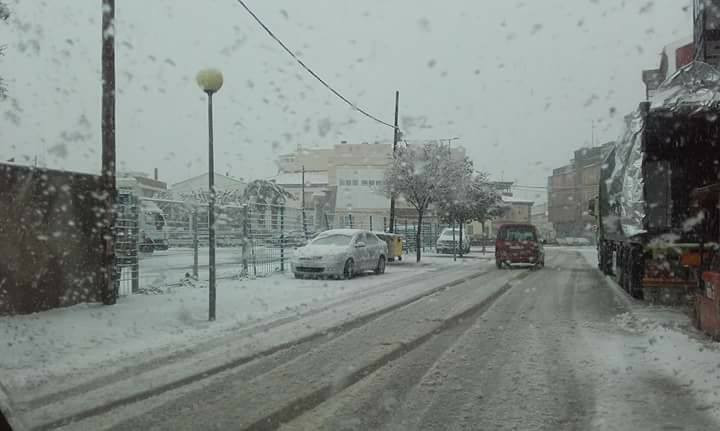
(302, 200)
(396, 137)
(108, 144)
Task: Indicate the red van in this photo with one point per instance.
(518, 243)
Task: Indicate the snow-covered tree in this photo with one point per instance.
(263, 193)
(4, 15)
(471, 199)
(421, 175)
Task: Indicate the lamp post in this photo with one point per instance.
(210, 81)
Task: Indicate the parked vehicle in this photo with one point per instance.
(573, 241)
(643, 206)
(140, 225)
(153, 232)
(446, 245)
(340, 253)
(518, 243)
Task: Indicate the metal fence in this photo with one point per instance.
(126, 244)
(154, 252)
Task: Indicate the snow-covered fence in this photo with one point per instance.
(251, 240)
(126, 281)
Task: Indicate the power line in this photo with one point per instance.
(310, 71)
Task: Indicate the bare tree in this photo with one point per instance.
(420, 175)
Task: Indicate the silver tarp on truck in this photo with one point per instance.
(694, 88)
(621, 174)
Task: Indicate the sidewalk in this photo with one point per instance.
(44, 350)
(666, 338)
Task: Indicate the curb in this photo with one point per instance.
(238, 361)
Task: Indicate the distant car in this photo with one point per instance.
(445, 244)
(574, 241)
(518, 243)
(340, 253)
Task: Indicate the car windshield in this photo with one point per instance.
(190, 193)
(518, 234)
(335, 239)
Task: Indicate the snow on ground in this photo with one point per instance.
(64, 341)
(669, 342)
(666, 344)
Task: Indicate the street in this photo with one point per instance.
(510, 349)
(359, 215)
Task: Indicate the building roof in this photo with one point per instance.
(514, 200)
(295, 178)
(239, 182)
(143, 181)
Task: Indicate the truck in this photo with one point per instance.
(140, 225)
(647, 237)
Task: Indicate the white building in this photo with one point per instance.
(360, 192)
(316, 184)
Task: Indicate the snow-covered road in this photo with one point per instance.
(553, 349)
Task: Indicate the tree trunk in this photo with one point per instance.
(461, 237)
(418, 236)
(484, 236)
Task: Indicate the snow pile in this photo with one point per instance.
(637, 324)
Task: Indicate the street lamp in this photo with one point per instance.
(210, 81)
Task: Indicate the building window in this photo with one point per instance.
(371, 182)
(364, 182)
(354, 182)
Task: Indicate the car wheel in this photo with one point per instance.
(380, 269)
(498, 264)
(349, 270)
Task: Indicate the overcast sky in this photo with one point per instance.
(520, 82)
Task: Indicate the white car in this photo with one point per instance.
(445, 244)
(340, 253)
